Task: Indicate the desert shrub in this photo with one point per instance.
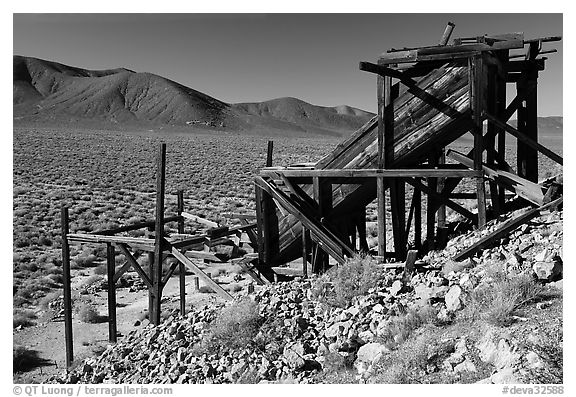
(342, 283)
(25, 359)
(92, 280)
(399, 328)
(21, 242)
(84, 261)
(87, 313)
(23, 318)
(496, 302)
(43, 240)
(45, 301)
(235, 327)
(101, 270)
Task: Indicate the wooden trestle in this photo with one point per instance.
(427, 98)
(159, 246)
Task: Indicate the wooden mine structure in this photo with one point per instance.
(427, 98)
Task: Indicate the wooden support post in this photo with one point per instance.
(447, 33)
(531, 125)
(476, 80)
(181, 267)
(417, 219)
(381, 208)
(67, 287)
(261, 222)
(500, 109)
(431, 208)
(398, 205)
(440, 188)
(305, 240)
(385, 118)
(269, 153)
(111, 267)
(151, 276)
(159, 230)
(490, 141)
(322, 189)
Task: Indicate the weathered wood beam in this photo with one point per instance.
(135, 226)
(158, 230)
(130, 258)
(64, 224)
(211, 283)
(111, 268)
(386, 73)
(522, 187)
(200, 220)
(526, 140)
(375, 172)
(503, 230)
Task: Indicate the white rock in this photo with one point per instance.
(371, 353)
(453, 298)
(465, 366)
(534, 360)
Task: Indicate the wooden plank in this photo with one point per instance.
(135, 264)
(203, 255)
(447, 33)
(269, 153)
(447, 52)
(244, 263)
(135, 226)
(503, 230)
(111, 268)
(200, 220)
(68, 336)
(213, 285)
(94, 238)
(235, 215)
(520, 186)
(120, 272)
(375, 172)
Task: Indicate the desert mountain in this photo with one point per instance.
(49, 92)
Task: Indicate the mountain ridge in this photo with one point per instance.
(51, 92)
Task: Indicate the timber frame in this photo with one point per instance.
(427, 98)
(158, 246)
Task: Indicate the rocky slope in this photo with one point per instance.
(436, 325)
(52, 93)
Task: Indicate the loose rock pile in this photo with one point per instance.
(302, 336)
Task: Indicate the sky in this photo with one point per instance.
(256, 57)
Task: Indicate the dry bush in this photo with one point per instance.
(235, 327)
(23, 318)
(87, 313)
(496, 302)
(401, 327)
(25, 359)
(342, 283)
